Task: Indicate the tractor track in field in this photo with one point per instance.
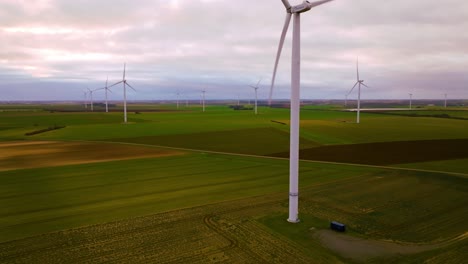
(233, 243)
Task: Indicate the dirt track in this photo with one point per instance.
(361, 249)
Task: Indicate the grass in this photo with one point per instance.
(256, 141)
(237, 226)
(39, 200)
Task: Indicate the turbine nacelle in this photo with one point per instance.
(304, 7)
(301, 8)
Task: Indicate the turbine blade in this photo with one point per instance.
(318, 3)
(365, 85)
(115, 84)
(286, 4)
(278, 55)
(125, 64)
(107, 80)
(352, 88)
(130, 86)
(259, 82)
(357, 69)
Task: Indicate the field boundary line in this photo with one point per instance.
(464, 175)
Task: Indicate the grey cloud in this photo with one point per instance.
(225, 44)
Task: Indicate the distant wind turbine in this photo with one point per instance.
(203, 97)
(256, 88)
(358, 83)
(107, 89)
(178, 95)
(125, 84)
(295, 97)
(91, 96)
(85, 99)
(410, 101)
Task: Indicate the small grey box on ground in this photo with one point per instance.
(338, 226)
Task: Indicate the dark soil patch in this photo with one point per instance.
(386, 153)
(420, 113)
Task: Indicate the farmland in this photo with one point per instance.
(185, 186)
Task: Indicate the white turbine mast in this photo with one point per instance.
(178, 95)
(91, 96)
(295, 97)
(203, 99)
(107, 90)
(256, 98)
(85, 93)
(125, 84)
(358, 83)
(410, 101)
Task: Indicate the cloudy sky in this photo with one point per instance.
(55, 49)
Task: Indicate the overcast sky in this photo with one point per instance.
(55, 49)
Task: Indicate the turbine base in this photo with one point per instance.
(295, 221)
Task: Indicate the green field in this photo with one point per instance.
(102, 191)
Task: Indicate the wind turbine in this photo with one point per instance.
(125, 83)
(256, 88)
(358, 83)
(107, 89)
(178, 95)
(410, 101)
(295, 97)
(203, 97)
(85, 99)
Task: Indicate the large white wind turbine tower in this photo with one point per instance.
(125, 84)
(358, 83)
(256, 88)
(295, 97)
